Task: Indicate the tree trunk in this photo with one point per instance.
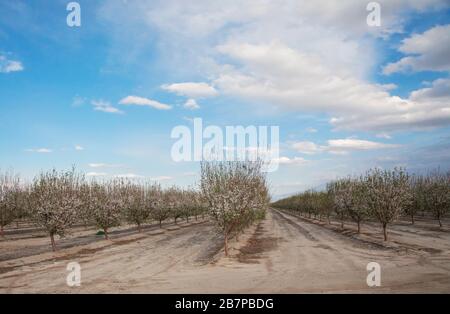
(160, 223)
(139, 228)
(226, 244)
(105, 231)
(2, 234)
(52, 240)
(342, 223)
(359, 226)
(412, 219)
(329, 221)
(385, 232)
(439, 219)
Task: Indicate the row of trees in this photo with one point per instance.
(234, 194)
(58, 200)
(383, 195)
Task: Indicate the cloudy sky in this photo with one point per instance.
(105, 96)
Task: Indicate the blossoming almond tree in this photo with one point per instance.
(106, 204)
(85, 209)
(9, 199)
(172, 202)
(437, 194)
(54, 201)
(233, 190)
(388, 195)
(139, 201)
(350, 197)
(161, 204)
(187, 203)
(419, 196)
(325, 204)
(333, 189)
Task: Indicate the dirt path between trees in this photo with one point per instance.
(282, 254)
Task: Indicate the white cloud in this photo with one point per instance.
(429, 51)
(287, 78)
(355, 144)
(141, 101)
(426, 108)
(306, 147)
(96, 174)
(191, 104)
(438, 90)
(418, 119)
(79, 147)
(8, 66)
(191, 90)
(105, 106)
(161, 178)
(339, 146)
(39, 150)
(290, 161)
(129, 176)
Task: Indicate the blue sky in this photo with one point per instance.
(346, 96)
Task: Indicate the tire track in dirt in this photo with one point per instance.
(344, 249)
(319, 246)
(297, 226)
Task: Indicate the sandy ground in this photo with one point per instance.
(282, 254)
